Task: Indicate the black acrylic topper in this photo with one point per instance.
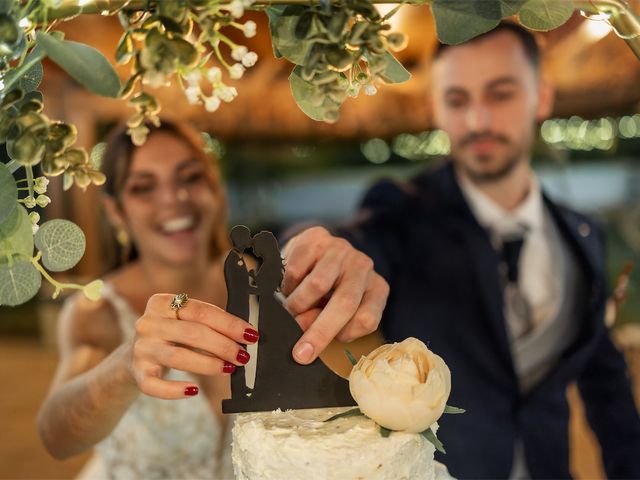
(280, 382)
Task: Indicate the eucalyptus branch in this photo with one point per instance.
(35, 261)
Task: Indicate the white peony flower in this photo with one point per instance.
(214, 74)
(212, 103)
(236, 71)
(239, 52)
(249, 29)
(403, 386)
(250, 59)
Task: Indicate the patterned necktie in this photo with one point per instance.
(516, 308)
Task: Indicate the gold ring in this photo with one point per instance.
(179, 301)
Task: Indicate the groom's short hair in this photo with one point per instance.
(526, 38)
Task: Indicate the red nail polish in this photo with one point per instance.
(228, 367)
(191, 391)
(251, 335)
(243, 357)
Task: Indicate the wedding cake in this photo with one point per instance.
(299, 444)
(401, 391)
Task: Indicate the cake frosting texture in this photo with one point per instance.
(299, 444)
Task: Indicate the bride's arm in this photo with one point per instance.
(92, 386)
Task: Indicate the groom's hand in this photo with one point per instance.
(332, 290)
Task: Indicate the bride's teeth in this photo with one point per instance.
(177, 224)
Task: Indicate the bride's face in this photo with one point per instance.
(168, 203)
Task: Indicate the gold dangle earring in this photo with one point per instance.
(124, 241)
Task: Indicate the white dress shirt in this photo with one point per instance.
(541, 262)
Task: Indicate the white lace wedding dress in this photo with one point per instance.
(161, 439)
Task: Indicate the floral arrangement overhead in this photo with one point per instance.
(337, 50)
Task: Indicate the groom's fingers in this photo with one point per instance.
(342, 306)
(369, 313)
(301, 254)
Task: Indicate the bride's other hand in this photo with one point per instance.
(199, 337)
(332, 290)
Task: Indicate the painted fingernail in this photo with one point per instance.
(243, 357)
(191, 391)
(251, 335)
(228, 367)
(303, 353)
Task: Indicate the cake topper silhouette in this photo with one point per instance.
(280, 382)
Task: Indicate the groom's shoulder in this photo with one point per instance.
(398, 194)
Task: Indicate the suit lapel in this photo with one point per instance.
(482, 257)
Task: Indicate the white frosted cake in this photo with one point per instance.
(298, 444)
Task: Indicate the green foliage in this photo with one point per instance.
(19, 282)
(352, 359)
(354, 412)
(84, 63)
(460, 20)
(394, 72)
(16, 236)
(31, 79)
(545, 14)
(8, 193)
(285, 41)
(429, 435)
(304, 95)
(384, 432)
(453, 410)
(62, 244)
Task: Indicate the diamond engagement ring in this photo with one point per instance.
(179, 301)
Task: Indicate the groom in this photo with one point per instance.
(502, 282)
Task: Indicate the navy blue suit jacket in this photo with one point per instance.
(445, 290)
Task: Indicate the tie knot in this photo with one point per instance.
(511, 255)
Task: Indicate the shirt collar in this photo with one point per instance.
(526, 217)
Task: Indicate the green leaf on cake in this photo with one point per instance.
(62, 244)
(84, 63)
(350, 356)
(453, 410)
(429, 435)
(545, 14)
(354, 412)
(384, 432)
(19, 282)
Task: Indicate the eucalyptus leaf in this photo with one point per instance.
(460, 20)
(16, 236)
(385, 432)
(394, 72)
(354, 412)
(8, 193)
(97, 154)
(302, 92)
(284, 37)
(429, 435)
(510, 7)
(453, 410)
(13, 76)
(5, 6)
(19, 282)
(84, 63)
(62, 244)
(274, 14)
(545, 14)
(32, 78)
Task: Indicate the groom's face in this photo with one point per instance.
(487, 97)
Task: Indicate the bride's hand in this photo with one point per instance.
(199, 338)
